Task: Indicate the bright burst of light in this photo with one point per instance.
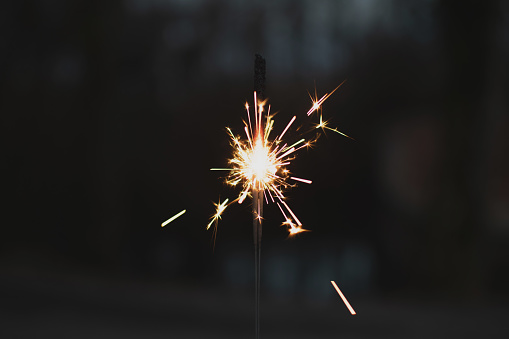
(259, 161)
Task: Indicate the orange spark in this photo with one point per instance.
(343, 297)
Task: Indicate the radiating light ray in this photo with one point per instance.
(243, 196)
(343, 297)
(301, 147)
(271, 197)
(173, 218)
(248, 117)
(302, 180)
(287, 127)
(290, 151)
(282, 211)
(294, 144)
(248, 137)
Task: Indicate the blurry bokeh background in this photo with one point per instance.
(112, 113)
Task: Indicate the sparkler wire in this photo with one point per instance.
(259, 87)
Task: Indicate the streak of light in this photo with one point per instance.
(287, 127)
(343, 297)
(302, 180)
(317, 103)
(173, 218)
(323, 125)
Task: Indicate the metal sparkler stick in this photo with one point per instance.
(257, 237)
(257, 192)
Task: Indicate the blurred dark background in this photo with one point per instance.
(112, 113)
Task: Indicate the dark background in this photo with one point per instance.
(112, 113)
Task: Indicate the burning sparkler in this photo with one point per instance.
(259, 162)
(259, 166)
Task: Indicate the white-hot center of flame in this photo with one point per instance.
(261, 167)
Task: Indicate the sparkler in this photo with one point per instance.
(259, 166)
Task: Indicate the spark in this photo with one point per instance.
(292, 228)
(220, 207)
(302, 180)
(287, 127)
(317, 103)
(323, 125)
(296, 230)
(259, 161)
(343, 297)
(173, 218)
(295, 144)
